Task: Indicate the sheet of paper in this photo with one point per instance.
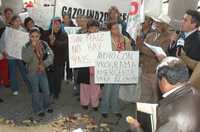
(157, 50)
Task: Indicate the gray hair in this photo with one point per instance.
(173, 70)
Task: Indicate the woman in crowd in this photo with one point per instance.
(110, 92)
(37, 55)
(82, 22)
(66, 21)
(89, 91)
(15, 63)
(29, 24)
(58, 42)
(8, 14)
(114, 16)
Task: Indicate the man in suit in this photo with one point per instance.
(178, 110)
(189, 26)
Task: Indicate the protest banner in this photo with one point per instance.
(136, 17)
(42, 12)
(71, 30)
(14, 42)
(94, 8)
(83, 48)
(117, 67)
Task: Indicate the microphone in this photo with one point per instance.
(180, 44)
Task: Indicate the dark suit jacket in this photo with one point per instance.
(192, 46)
(179, 112)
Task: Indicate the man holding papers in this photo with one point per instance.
(152, 50)
(178, 110)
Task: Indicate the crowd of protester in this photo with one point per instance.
(45, 58)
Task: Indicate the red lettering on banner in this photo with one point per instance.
(134, 8)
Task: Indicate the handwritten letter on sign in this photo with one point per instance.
(84, 48)
(117, 67)
(15, 40)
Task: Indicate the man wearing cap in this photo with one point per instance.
(149, 60)
(178, 111)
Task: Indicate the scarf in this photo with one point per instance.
(39, 52)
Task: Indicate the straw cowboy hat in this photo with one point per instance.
(162, 19)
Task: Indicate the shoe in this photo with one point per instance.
(104, 115)
(41, 114)
(118, 115)
(1, 100)
(76, 94)
(85, 107)
(16, 93)
(78, 99)
(95, 108)
(50, 110)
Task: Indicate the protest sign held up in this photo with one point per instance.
(117, 67)
(15, 40)
(84, 48)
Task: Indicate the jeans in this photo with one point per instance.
(110, 98)
(13, 64)
(40, 92)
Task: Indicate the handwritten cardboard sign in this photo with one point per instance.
(14, 41)
(117, 67)
(84, 48)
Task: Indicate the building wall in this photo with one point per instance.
(16, 5)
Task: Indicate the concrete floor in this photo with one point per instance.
(18, 108)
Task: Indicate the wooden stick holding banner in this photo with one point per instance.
(54, 13)
(135, 18)
(52, 37)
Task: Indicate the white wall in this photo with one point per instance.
(16, 5)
